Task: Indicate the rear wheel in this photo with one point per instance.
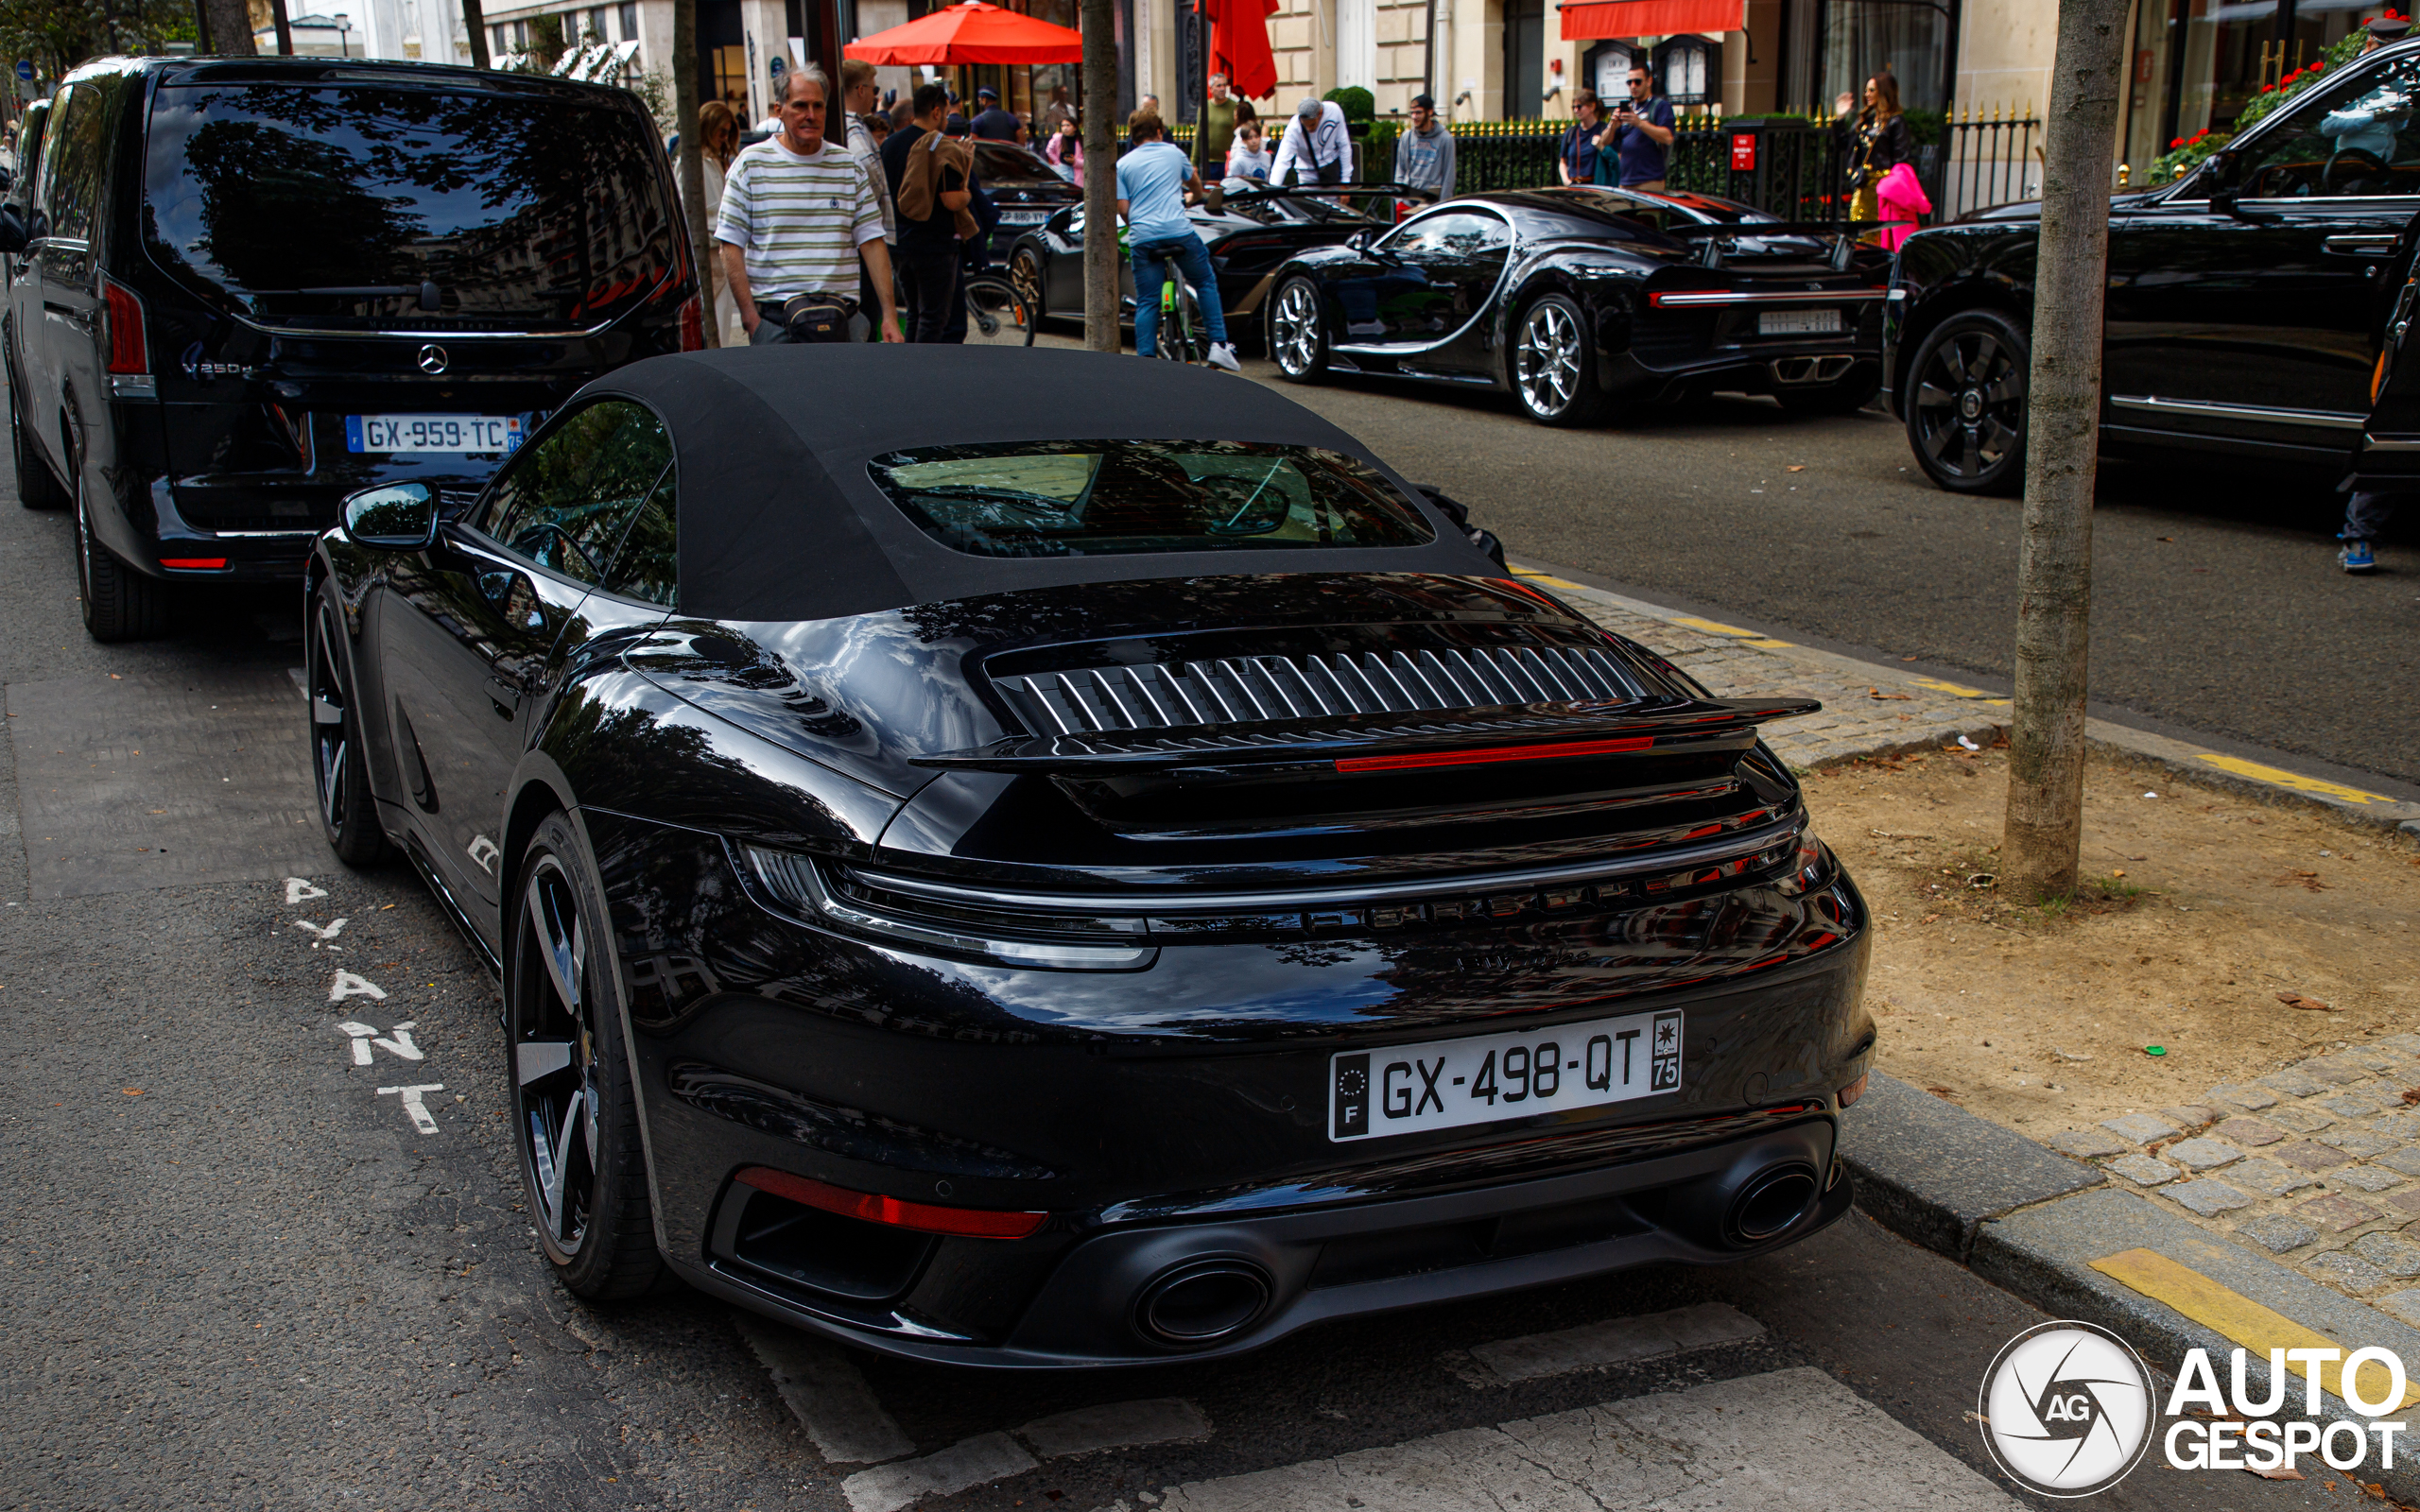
(36, 487)
(1179, 336)
(1966, 404)
(120, 603)
(1297, 334)
(575, 1121)
(996, 313)
(1025, 272)
(339, 771)
(1554, 365)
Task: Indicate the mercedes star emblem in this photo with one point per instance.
(432, 360)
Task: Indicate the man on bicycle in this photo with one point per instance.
(1152, 181)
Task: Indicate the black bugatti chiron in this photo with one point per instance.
(1579, 300)
(1104, 875)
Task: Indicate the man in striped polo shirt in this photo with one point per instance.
(797, 216)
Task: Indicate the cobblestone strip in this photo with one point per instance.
(2313, 1164)
(1864, 714)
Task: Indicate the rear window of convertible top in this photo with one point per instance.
(1106, 498)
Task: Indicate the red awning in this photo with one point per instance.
(1651, 18)
(970, 33)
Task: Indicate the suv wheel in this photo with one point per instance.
(1966, 401)
(120, 603)
(36, 487)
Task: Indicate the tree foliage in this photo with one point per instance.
(60, 34)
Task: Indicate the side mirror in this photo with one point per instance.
(400, 517)
(1213, 198)
(12, 230)
(1358, 241)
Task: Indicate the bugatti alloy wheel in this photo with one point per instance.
(574, 1120)
(1296, 339)
(1966, 406)
(1552, 365)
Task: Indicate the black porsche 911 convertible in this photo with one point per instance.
(1577, 300)
(1104, 875)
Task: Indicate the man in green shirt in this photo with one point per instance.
(1217, 131)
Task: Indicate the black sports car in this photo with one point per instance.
(1254, 228)
(1577, 299)
(1023, 184)
(1096, 876)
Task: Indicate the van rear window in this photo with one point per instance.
(354, 206)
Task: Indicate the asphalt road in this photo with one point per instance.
(2218, 607)
(242, 1274)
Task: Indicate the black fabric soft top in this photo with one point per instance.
(780, 520)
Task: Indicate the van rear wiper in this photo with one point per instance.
(429, 295)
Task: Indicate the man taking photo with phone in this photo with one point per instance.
(1637, 137)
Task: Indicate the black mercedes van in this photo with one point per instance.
(247, 287)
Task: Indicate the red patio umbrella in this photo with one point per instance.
(973, 32)
(1239, 44)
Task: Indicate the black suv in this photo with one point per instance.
(249, 287)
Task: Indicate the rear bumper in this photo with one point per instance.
(1097, 1306)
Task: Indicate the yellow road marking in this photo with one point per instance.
(2236, 1316)
(2293, 780)
(1958, 689)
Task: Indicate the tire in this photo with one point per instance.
(339, 767)
(1181, 337)
(37, 488)
(1554, 364)
(1847, 397)
(1966, 401)
(996, 313)
(120, 603)
(576, 1128)
(1025, 272)
(1298, 332)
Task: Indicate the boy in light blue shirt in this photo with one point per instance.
(1153, 178)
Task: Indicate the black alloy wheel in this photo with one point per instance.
(1966, 404)
(120, 603)
(1554, 364)
(36, 487)
(575, 1122)
(339, 769)
(1297, 332)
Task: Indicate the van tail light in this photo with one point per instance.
(693, 323)
(128, 353)
(923, 1217)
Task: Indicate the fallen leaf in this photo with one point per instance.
(1930, 919)
(2295, 1000)
(130, 1092)
(2276, 1474)
(1877, 693)
(2411, 1097)
(1801, 468)
(2309, 879)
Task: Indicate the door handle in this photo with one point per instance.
(2360, 244)
(504, 695)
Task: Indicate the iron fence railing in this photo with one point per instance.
(1991, 160)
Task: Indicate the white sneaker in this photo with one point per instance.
(1222, 354)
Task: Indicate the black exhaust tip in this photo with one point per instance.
(1772, 1202)
(1195, 1305)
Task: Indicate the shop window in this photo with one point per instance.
(1689, 70)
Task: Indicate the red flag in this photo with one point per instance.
(1239, 44)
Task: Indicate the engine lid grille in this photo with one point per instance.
(1259, 689)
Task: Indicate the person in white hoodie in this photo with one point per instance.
(1317, 147)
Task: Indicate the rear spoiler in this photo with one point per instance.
(1391, 742)
(1842, 234)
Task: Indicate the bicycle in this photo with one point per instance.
(996, 313)
(1180, 337)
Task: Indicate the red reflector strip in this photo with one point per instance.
(1493, 754)
(972, 1223)
(195, 564)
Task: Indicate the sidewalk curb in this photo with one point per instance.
(2180, 760)
(2031, 1221)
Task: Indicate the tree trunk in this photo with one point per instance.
(231, 28)
(690, 169)
(474, 31)
(2045, 827)
(1100, 176)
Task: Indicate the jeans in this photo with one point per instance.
(930, 279)
(2366, 514)
(1193, 260)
